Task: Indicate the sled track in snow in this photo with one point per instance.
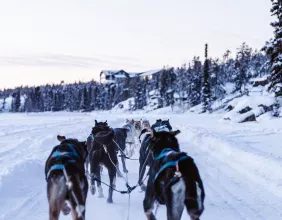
(241, 180)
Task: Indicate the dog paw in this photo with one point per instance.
(93, 190)
(109, 200)
(100, 193)
(143, 187)
(66, 210)
(125, 171)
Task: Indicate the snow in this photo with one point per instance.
(131, 74)
(196, 109)
(259, 78)
(154, 92)
(8, 103)
(110, 72)
(124, 106)
(253, 102)
(151, 72)
(240, 164)
(228, 87)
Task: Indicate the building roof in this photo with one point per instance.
(110, 72)
(151, 72)
(122, 74)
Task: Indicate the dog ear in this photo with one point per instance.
(61, 138)
(106, 121)
(96, 122)
(126, 120)
(174, 133)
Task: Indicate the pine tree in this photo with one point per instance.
(274, 49)
(195, 82)
(54, 105)
(138, 100)
(17, 101)
(216, 80)
(3, 104)
(28, 104)
(242, 66)
(83, 104)
(181, 84)
(206, 91)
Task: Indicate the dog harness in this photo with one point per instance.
(127, 127)
(166, 163)
(161, 128)
(58, 156)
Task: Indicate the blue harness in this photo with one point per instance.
(166, 164)
(69, 157)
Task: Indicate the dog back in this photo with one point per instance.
(65, 156)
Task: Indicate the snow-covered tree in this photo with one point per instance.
(274, 49)
(194, 87)
(16, 102)
(216, 80)
(206, 90)
(242, 65)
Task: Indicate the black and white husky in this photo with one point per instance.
(174, 179)
(133, 128)
(66, 180)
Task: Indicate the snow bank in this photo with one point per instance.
(23, 185)
(124, 106)
(168, 110)
(196, 109)
(246, 106)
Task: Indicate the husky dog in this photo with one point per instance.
(103, 152)
(133, 128)
(99, 126)
(120, 141)
(145, 124)
(145, 154)
(174, 179)
(66, 180)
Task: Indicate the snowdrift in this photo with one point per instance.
(248, 108)
(124, 106)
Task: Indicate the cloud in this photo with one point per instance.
(62, 60)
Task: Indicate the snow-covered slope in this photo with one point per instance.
(240, 165)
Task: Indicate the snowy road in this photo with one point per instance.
(240, 165)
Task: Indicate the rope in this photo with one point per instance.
(124, 155)
(119, 191)
(128, 209)
(144, 166)
(69, 185)
(130, 189)
(117, 168)
(128, 158)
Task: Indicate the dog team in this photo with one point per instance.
(172, 178)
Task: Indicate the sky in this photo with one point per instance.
(49, 41)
